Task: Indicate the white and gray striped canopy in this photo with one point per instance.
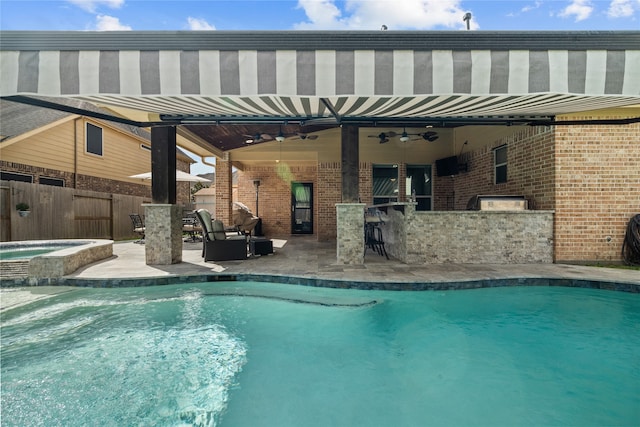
(317, 75)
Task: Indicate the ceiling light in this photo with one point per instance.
(280, 138)
(405, 136)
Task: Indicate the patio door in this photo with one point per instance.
(301, 208)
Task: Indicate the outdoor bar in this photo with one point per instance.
(468, 237)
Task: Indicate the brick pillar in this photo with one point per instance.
(350, 238)
(224, 190)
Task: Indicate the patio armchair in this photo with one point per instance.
(217, 245)
(138, 226)
(191, 226)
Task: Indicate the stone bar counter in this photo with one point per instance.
(466, 237)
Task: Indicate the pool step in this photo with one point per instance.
(14, 269)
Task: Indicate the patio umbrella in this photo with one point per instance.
(180, 176)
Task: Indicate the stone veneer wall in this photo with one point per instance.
(163, 236)
(480, 237)
(469, 237)
(68, 260)
(350, 239)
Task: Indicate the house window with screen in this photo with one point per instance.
(385, 184)
(94, 139)
(500, 164)
(419, 185)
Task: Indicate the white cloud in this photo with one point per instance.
(371, 15)
(622, 8)
(581, 9)
(92, 5)
(109, 23)
(529, 8)
(196, 24)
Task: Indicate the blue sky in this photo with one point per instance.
(105, 15)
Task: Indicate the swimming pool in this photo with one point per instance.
(46, 259)
(264, 354)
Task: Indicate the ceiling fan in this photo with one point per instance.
(404, 136)
(258, 137)
(304, 136)
(384, 136)
(428, 136)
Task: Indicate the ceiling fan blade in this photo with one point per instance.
(429, 136)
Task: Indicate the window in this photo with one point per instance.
(385, 184)
(12, 176)
(500, 164)
(419, 184)
(94, 139)
(56, 182)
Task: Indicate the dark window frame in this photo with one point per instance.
(93, 145)
(12, 175)
(500, 165)
(387, 197)
(55, 182)
(424, 199)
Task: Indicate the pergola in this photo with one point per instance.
(201, 82)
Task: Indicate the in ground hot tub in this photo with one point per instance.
(51, 258)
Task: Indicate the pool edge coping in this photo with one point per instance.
(130, 282)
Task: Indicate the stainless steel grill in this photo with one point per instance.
(497, 203)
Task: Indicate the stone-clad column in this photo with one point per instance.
(350, 235)
(163, 234)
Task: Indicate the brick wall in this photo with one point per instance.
(590, 176)
(274, 198)
(530, 172)
(329, 194)
(597, 189)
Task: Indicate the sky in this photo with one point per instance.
(226, 15)
(140, 15)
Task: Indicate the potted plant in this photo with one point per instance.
(23, 209)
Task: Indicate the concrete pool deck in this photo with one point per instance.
(304, 257)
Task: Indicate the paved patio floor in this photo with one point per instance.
(305, 257)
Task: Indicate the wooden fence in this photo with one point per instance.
(65, 213)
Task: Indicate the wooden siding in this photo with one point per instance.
(51, 149)
(121, 157)
(54, 149)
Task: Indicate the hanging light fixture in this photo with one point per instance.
(405, 136)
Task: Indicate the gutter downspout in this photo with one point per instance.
(75, 152)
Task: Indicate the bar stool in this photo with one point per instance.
(373, 236)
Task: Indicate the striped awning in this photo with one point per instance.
(318, 75)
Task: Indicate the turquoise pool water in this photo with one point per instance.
(263, 354)
(27, 252)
